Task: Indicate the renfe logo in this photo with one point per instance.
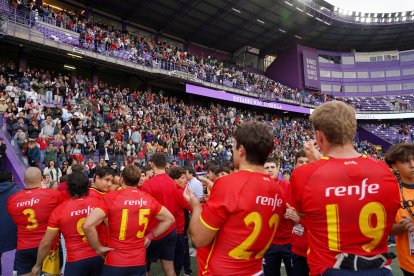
(361, 190)
(28, 203)
(85, 211)
(139, 202)
(268, 201)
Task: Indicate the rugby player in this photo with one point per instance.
(237, 224)
(129, 211)
(348, 200)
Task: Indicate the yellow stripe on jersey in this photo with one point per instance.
(325, 157)
(52, 228)
(207, 225)
(209, 255)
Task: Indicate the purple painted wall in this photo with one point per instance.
(372, 138)
(204, 52)
(286, 68)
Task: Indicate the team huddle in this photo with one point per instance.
(333, 217)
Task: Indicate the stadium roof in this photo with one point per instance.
(270, 25)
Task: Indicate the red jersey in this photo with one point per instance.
(30, 210)
(284, 231)
(63, 189)
(349, 206)
(129, 213)
(164, 190)
(300, 240)
(68, 218)
(103, 230)
(181, 205)
(245, 208)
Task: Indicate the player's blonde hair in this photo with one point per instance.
(336, 120)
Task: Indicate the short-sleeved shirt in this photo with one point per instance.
(405, 259)
(68, 218)
(181, 205)
(245, 209)
(129, 212)
(284, 231)
(349, 206)
(30, 210)
(163, 189)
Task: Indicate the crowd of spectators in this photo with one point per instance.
(155, 52)
(57, 120)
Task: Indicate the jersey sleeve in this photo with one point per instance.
(104, 204)
(53, 222)
(146, 187)
(296, 191)
(215, 210)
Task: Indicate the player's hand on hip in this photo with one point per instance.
(102, 251)
(147, 242)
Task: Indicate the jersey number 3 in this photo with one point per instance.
(31, 219)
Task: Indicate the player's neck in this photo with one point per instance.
(341, 152)
(158, 171)
(250, 167)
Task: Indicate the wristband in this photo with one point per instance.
(150, 236)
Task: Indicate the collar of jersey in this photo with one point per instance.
(407, 186)
(99, 191)
(327, 157)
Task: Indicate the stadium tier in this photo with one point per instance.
(242, 133)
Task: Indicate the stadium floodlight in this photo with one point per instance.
(69, 67)
(369, 20)
(299, 9)
(282, 31)
(404, 18)
(317, 18)
(290, 4)
(260, 21)
(327, 23)
(75, 56)
(309, 14)
(298, 37)
(236, 10)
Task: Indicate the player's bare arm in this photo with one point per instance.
(89, 228)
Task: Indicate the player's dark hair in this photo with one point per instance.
(103, 171)
(78, 184)
(159, 159)
(257, 139)
(146, 168)
(79, 168)
(210, 166)
(399, 152)
(176, 172)
(131, 175)
(191, 171)
(221, 170)
(272, 160)
(300, 154)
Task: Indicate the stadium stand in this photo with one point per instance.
(83, 120)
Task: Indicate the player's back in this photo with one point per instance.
(69, 217)
(349, 206)
(163, 189)
(30, 210)
(245, 207)
(129, 212)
